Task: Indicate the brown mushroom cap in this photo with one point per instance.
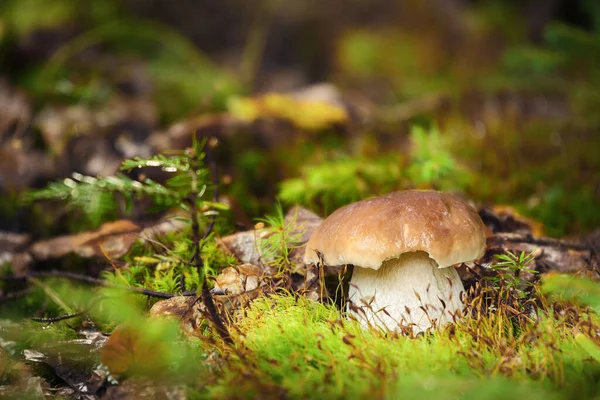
(371, 231)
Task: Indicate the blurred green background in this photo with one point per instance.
(496, 99)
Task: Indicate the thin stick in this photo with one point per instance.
(58, 319)
(542, 241)
(197, 241)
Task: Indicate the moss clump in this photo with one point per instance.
(301, 349)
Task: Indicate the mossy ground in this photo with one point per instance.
(516, 124)
(288, 345)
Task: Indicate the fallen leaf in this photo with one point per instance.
(303, 112)
(251, 276)
(113, 239)
(239, 279)
(174, 307)
(129, 351)
(243, 245)
(230, 281)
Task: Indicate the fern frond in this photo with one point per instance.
(169, 164)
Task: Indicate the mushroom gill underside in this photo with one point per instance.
(404, 287)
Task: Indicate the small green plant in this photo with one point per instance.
(161, 269)
(281, 238)
(98, 197)
(509, 268)
(335, 183)
(186, 189)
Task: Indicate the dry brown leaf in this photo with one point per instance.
(174, 307)
(185, 309)
(243, 245)
(127, 350)
(113, 239)
(251, 276)
(230, 281)
(242, 278)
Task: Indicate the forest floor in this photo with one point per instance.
(156, 202)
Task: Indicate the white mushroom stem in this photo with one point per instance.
(393, 287)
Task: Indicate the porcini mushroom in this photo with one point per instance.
(402, 246)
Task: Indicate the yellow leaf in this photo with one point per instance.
(129, 351)
(146, 260)
(308, 115)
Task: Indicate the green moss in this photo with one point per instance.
(307, 349)
(341, 181)
(159, 265)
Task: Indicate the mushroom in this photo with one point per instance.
(401, 246)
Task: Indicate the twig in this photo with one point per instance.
(58, 319)
(197, 242)
(182, 282)
(478, 276)
(542, 241)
